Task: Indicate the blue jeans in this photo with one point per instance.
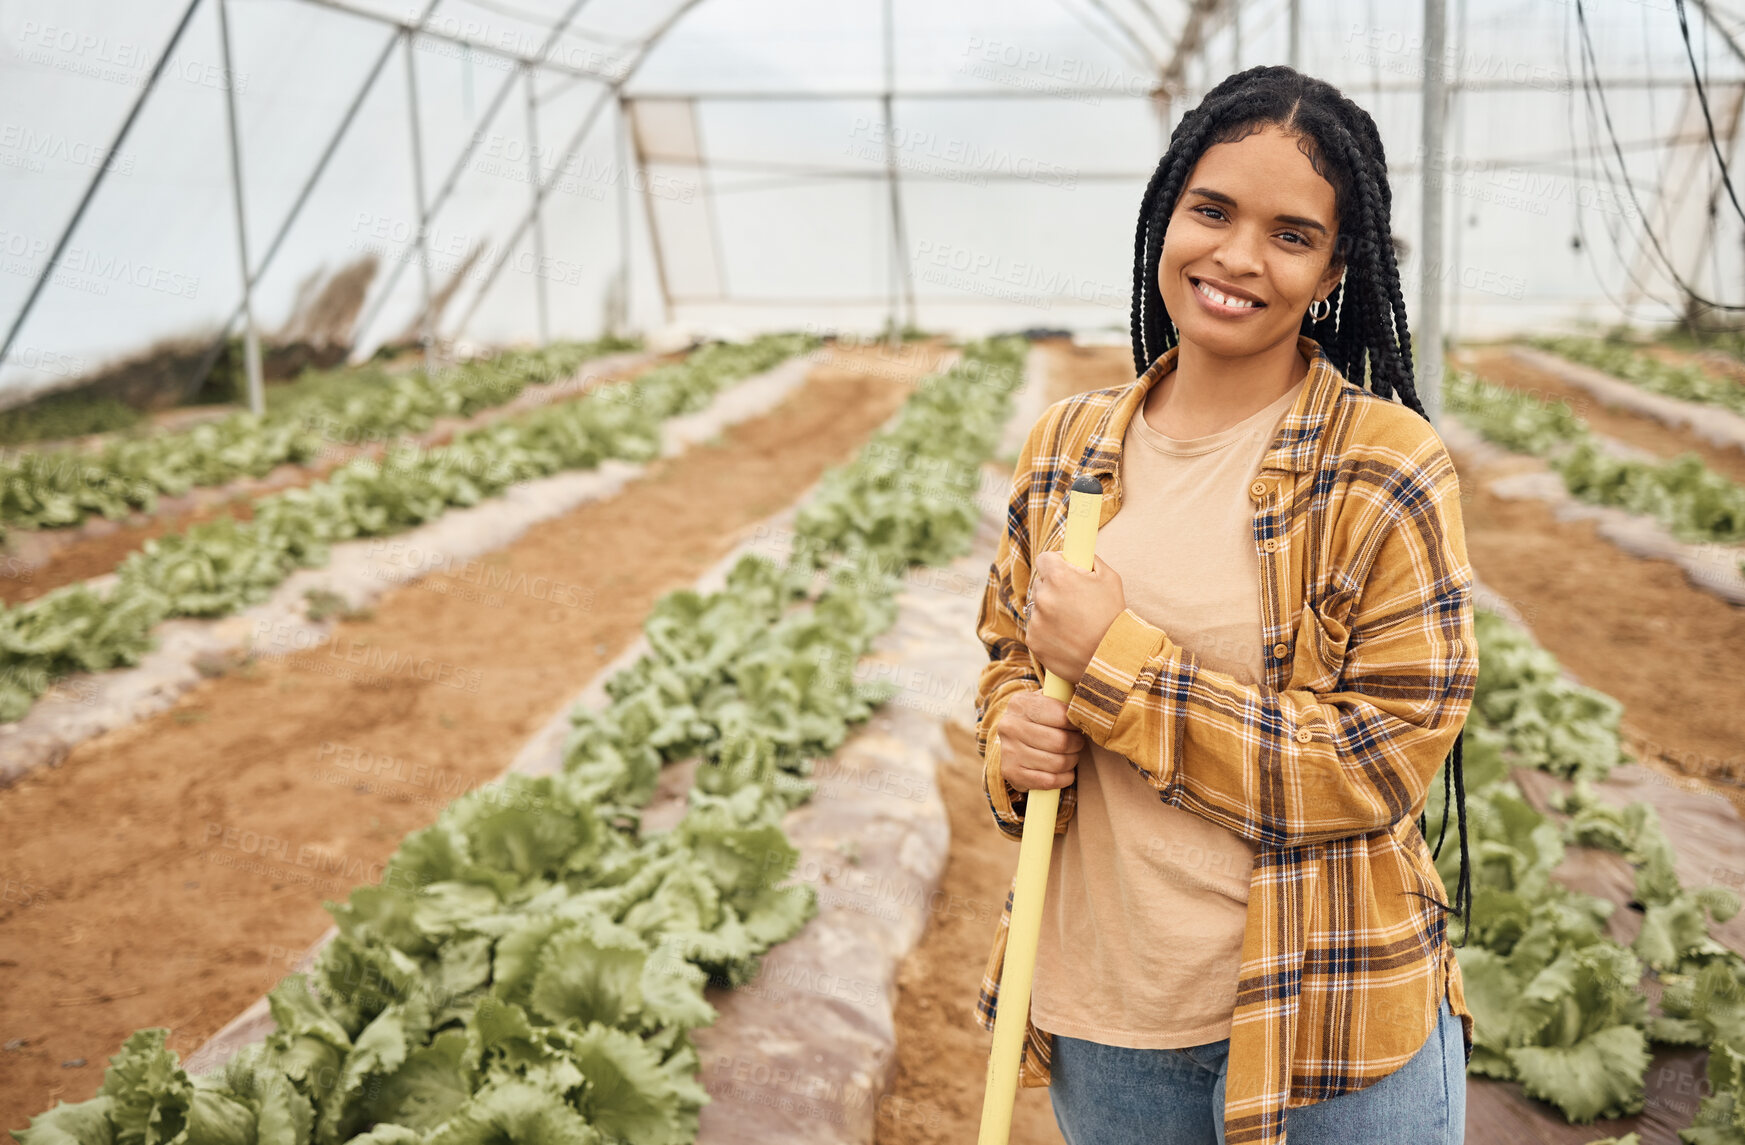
(1111, 1095)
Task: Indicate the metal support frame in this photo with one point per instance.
(1139, 58)
(536, 59)
(1060, 91)
(1457, 118)
(901, 271)
(621, 150)
(711, 201)
(544, 314)
(613, 86)
(415, 134)
(540, 192)
(257, 397)
(635, 138)
(1189, 45)
(308, 188)
(1428, 370)
(1235, 36)
(460, 164)
(54, 257)
(1129, 31)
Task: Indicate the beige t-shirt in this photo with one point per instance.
(1146, 905)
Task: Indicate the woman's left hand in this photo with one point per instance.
(1070, 611)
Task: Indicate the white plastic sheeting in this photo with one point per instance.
(754, 136)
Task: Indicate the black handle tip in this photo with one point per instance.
(1087, 484)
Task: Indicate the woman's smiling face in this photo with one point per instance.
(1256, 224)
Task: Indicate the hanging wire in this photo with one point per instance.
(1589, 57)
(1703, 99)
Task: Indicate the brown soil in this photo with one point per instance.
(169, 873)
(1718, 363)
(942, 1054)
(105, 544)
(1635, 629)
(1077, 369)
(1501, 367)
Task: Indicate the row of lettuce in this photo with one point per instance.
(530, 968)
(1559, 1005)
(218, 567)
(1695, 503)
(321, 412)
(1685, 381)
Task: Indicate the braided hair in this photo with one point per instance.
(1370, 345)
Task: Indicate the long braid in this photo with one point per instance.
(1372, 346)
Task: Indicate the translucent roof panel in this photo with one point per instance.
(502, 171)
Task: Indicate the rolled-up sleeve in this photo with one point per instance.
(999, 624)
(1350, 756)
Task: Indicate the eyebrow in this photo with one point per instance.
(1221, 197)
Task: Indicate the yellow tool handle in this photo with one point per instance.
(1083, 515)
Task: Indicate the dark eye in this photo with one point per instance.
(1300, 239)
(1206, 207)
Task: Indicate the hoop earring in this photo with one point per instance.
(1326, 309)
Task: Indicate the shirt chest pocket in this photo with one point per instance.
(1323, 636)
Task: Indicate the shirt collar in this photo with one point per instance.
(1293, 448)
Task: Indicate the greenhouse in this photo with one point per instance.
(559, 558)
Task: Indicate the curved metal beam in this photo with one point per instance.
(42, 278)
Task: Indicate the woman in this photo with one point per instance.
(1271, 659)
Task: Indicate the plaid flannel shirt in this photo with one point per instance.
(1370, 664)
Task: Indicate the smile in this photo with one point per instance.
(1223, 303)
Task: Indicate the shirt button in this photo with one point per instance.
(1270, 544)
(1258, 488)
(1303, 735)
(1280, 649)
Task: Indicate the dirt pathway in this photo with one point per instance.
(96, 546)
(169, 873)
(942, 1054)
(1501, 367)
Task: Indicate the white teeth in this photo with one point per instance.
(1219, 298)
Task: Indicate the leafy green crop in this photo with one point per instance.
(65, 414)
(218, 567)
(1558, 1005)
(1686, 382)
(1514, 420)
(53, 488)
(531, 965)
(1695, 503)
